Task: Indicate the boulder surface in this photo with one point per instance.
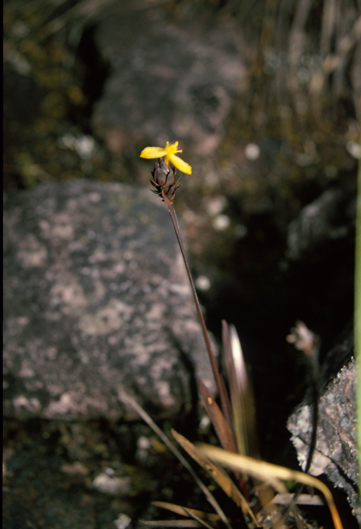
(96, 297)
(168, 80)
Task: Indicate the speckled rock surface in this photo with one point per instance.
(178, 80)
(96, 296)
(336, 448)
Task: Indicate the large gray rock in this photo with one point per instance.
(336, 454)
(96, 296)
(168, 80)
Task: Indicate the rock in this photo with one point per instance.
(337, 356)
(112, 485)
(336, 449)
(96, 297)
(322, 223)
(169, 80)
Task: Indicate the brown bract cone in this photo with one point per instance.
(164, 180)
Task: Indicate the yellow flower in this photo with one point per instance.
(169, 152)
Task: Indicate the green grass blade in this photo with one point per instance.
(357, 316)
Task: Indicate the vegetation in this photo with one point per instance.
(257, 483)
(302, 101)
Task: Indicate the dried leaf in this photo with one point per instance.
(271, 474)
(183, 511)
(197, 519)
(125, 397)
(217, 473)
(219, 422)
(303, 339)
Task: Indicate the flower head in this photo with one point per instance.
(169, 153)
(164, 180)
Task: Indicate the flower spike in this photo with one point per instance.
(169, 153)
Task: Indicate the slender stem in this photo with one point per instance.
(314, 381)
(313, 368)
(357, 316)
(216, 374)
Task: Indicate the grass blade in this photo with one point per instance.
(125, 397)
(219, 422)
(217, 473)
(242, 401)
(183, 511)
(271, 473)
(199, 520)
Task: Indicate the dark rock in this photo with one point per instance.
(323, 233)
(323, 222)
(96, 296)
(169, 81)
(340, 354)
(336, 453)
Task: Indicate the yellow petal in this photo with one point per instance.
(153, 152)
(179, 164)
(172, 149)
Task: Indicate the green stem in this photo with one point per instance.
(357, 316)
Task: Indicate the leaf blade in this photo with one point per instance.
(217, 473)
(271, 473)
(217, 418)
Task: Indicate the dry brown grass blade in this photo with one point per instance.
(225, 403)
(270, 473)
(183, 511)
(219, 422)
(125, 397)
(197, 519)
(217, 473)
